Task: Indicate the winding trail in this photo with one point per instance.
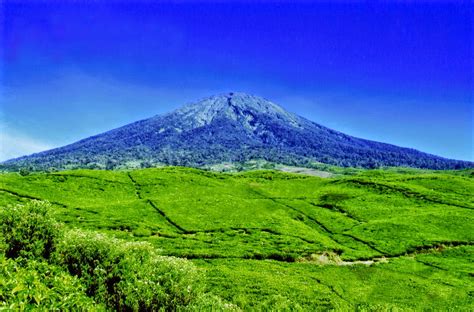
(414, 251)
(406, 192)
(222, 230)
(161, 212)
(154, 206)
(332, 289)
(368, 244)
(381, 257)
(337, 209)
(360, 261)
(32, 197)
(320, 225)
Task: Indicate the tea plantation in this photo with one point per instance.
(372, 240)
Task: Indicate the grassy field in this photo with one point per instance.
(372, 240)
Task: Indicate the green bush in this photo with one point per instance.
(207, 302)
(29, 230)
(24, 172)
(44, 268)
(36, 285)
(128, 275)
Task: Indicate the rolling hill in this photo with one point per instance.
(231, 127)
(378, 240)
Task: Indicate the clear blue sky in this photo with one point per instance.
(395, 73)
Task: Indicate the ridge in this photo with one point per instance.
(228, 127)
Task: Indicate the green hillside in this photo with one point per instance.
(374, 240)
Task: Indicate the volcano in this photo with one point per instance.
(230, 127)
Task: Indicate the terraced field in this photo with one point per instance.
(374, 240)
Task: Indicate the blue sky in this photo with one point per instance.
(397, 73)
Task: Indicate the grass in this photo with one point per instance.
(255, 232)
(403, 283)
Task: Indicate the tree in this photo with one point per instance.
(24, 172)
(110, 164)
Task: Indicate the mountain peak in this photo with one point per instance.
(228, 127)
(235, 99)
(237, 106)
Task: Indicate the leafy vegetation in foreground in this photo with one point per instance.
(44, 267)
(373, 240)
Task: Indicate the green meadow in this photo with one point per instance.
(370, 240)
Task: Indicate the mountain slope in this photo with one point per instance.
(233, 127)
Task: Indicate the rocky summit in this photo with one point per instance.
(230, 127)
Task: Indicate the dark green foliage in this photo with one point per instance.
(128, 276)
(44, 268)
(29, 230)
(38, 285)
(24, 171)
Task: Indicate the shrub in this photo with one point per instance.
(89, 256)
(29, 230)
(36, 285)
(280, 303)
(207, 302)
(128, 275)
(24, 172)
(124, 276)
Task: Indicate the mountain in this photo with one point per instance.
(231, 127)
